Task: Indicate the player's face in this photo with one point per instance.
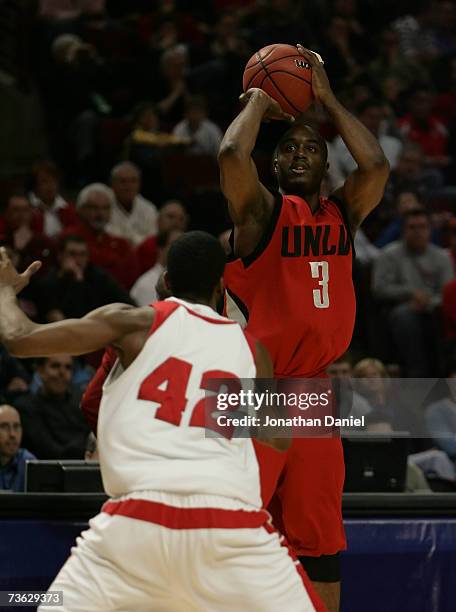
(301, 162)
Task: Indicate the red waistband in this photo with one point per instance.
(186, 518)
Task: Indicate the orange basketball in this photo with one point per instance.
(283, 73)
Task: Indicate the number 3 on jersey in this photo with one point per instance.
(320, 270)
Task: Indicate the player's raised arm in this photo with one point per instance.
(364, 188)
(24, 338)
(240, 184)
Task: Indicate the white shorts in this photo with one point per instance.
(175, 557)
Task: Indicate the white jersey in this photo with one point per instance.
(151, 434)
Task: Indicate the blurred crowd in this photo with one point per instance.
(113, 113)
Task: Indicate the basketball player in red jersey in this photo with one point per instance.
(290, 282)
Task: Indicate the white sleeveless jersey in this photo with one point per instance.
(151, 434)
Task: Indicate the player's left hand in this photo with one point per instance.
(321, 87)
(10, 276)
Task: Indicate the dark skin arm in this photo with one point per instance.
(364, 188)
(119, 325)
(250, 204)
(264, 369)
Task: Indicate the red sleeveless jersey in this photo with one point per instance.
(295, 292)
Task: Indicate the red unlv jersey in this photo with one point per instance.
(295, 292)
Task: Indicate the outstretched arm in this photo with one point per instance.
(24, 338)
(246, 196)
(364, 188)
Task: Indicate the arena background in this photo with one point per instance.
(88, 84)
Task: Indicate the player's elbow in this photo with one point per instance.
(230, 150)
(380, 164)
(16, 345)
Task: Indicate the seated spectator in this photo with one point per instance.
(205, 135)
(405, 201)
(391, 63)
(146, 131)
(366, 252)
(416, 38)
(441, 417)
(75, 286)
(421, 126)
(82, 375)
(147, 145)
(409, 276)
(144, 290)
(371, 113)
(54, 426)
(113, 254)
(371, 381)
(12, 456)
(13, 376)
(91, 451)
(411, 174)
(132, 216)
(17, 231)
(352, 402)
(171, 89)
(52, 212)
(172, 216)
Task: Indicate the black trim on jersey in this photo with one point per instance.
(325, 568)
(343, 211)
(268, 233)
(239, 303)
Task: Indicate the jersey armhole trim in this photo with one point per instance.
(265, 238)
(343, 211)
(162, 311)
(268, 232)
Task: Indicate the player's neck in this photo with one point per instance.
(195, 300)
(312, 199)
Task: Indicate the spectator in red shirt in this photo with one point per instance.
(424, 128)
(52, 212)
(114, 254)
(172, 216)
(17, 231)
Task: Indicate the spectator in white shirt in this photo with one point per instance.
(341, 163)
(144, 290)
(132, 216)
(204, 134)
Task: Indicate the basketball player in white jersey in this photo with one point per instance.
(183, 529)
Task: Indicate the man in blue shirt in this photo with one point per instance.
(12, 457)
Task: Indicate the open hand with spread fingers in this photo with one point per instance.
(10, 277)
(321, 87)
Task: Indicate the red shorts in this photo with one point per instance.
(302, 489)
